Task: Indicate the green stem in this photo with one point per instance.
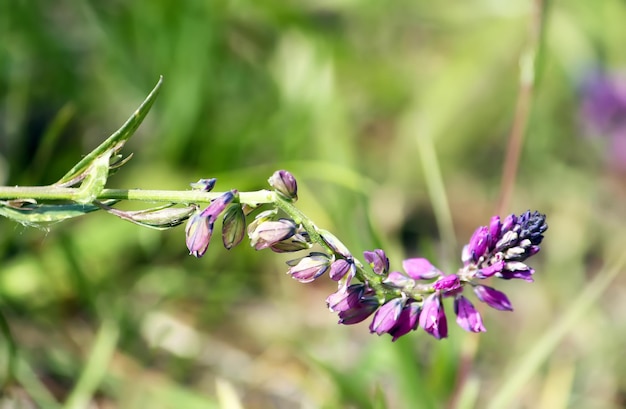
(168, 196)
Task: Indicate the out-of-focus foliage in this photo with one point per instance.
(343, 94)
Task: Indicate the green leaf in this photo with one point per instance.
(37, 215)
(95, 179)
(115, 142)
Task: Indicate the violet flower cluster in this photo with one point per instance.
(399, 302)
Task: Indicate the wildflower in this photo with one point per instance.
(377, 260)
(233, 227)
(466, 315)
(387, 316)
(353, 304)
(200, 226)
(307, 269)
(284, 183)
(493, 298)
(269, 233)
(433, 318)
(407, 321)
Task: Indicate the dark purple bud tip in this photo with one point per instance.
(532, 225)
(204, 185)
(284, 183)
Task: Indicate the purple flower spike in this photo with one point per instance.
(407, 321)
(387, 316)
(284, 183)
(479, 243)
(433, 318)
(198, 234)
(307, 269)
(466, 315)
(377, 260)
(493, 298)
(420, 269)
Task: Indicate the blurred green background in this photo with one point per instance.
(395, 119)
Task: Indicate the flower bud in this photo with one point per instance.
(335, 244)
(284, 183)
(297, 242)
(407, 321)
(433, 318)
(198, 234)
(268, 233)
(233, 226)
(398, 280)
(377, 260)
(387, 316)
(479, 243)
(466, 315)
(204, 185)
(307, 269)
(493, 298)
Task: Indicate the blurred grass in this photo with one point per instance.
(344, 94)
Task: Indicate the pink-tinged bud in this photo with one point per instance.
(466, 315)
(345, 298)
(516, 269)
(433, 317)
(407, 321)
(307, 269)
(420, 269)
(233, 226)
(218, 205)
(270, 232)
(387, 316)
(198, 234)
(478, 243)
(377, 260)
(493, 298)
(284, 183)
(365, 307)
(340, 268)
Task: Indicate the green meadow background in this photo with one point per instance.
(394, 116)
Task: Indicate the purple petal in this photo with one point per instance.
(420, 269)
(377, 260)
(466, 315)
(387, 316)
(433, 318)
(407, 321)
(493, 298)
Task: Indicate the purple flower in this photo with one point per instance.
(377, 260)
(398, 280)
(407, 321)
(270, 232)
(200, 226)
(307, 269)
(433, 318)
(204, 185)
(387, 316)
(493, 298)
(284, 183)
(449, 284)
(466, 315)
(342, 268)
(354, 303)
(479, 243)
